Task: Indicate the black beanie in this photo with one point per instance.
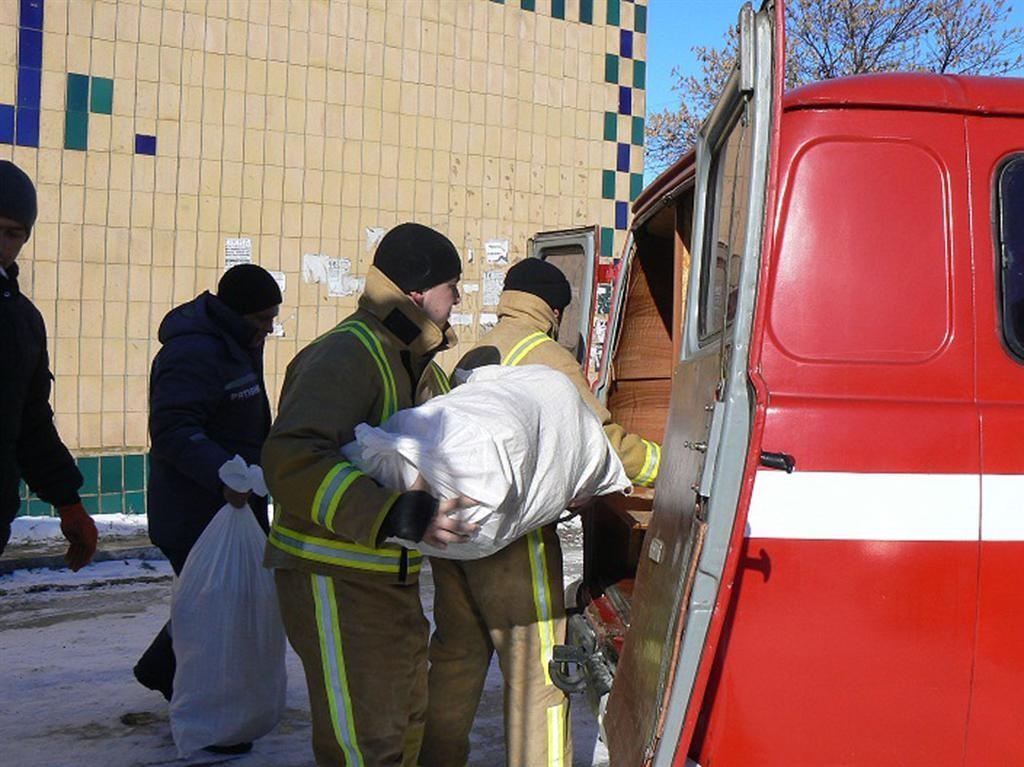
(248, 288)
(544, 280)
(17, 195)
(416, 257)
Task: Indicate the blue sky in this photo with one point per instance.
(675, 26)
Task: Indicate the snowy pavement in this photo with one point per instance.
(68, 643)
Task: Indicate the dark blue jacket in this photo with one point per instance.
(29, 444)
(207, 403)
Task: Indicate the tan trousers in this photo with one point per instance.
(363, 647)
(511, 602)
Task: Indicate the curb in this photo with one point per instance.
(55, 560)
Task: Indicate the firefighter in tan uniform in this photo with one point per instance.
(512, 601)
(350, 603)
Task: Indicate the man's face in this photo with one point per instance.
(438, 301)
(12, 239)
(264, 324)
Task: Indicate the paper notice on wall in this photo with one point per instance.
(280, 279)
(460, 319)
(604, 298)
(493, 284)
(237, 250)
(335, 273)
(488, 320)
(470, 287)
(374, 234)
(497, 251)
(278, 331)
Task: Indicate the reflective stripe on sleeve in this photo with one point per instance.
(340, 553)
(652, 462)
(332, 488)
(524, 347)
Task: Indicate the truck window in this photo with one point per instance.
(1010, 233)
(725, 233)
(572, 260)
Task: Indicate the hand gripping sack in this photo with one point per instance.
(520, 441)
(229, 642)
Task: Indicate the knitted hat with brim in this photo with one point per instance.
(542, 279)
(416, 257)
(248, 289)
(17, 195)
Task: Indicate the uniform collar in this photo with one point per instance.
(519, 305)
(406, 321)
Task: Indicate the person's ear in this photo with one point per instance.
(417, 297)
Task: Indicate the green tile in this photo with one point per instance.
(639, 74)
(638, 131)
(78, 92)
(90, 468)
(636, 185)
(640, 18)
(76, 130)
(22, 490)
(611, 68)
(135, 472)
(614, 15)
(111, 476)
(135, 503)
(611, 126)
(608, 184)
(112, 503)
(37, 508)
(587, 11)
(528, 5)
(101, 97)
(558, 9)
(607, 241)
(91, 504)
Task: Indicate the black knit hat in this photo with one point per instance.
(542, 279)
(17, 195)
(416, 257)
(248, 288)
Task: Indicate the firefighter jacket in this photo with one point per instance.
(524, 335)
(328, 514)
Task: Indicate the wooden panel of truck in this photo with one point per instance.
(850, 638)
(996, 727)
(645, 344)
(641, 406)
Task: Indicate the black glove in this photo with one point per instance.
(410, 516)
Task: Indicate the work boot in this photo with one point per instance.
(237, 748)
(155, 669)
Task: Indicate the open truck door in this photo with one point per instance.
(689, 554)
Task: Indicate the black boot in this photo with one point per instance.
(155, 669)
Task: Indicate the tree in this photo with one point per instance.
(834, 38)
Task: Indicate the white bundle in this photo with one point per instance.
(518, 440)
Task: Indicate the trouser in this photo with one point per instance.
(155, 668)
(511, 602)
(363, 646)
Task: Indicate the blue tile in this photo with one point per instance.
(31, 14)
(625, 43)
(625, 100)
(29, 85)
(27, 127)
(6, 123)
(30, 48)
(621, 215)
(145, 144)
(622, 158)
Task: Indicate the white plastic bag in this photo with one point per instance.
(518, 440)
(229, 642)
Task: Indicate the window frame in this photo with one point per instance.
(1012, 341)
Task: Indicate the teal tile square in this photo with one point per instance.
(528, 5)
(608, 184)
(611, 126)
(636, 185)
(587, 11)
(90, 468)
(611, 68)
(639, 74)
(78, 92)
(111, 476)
(607, 241)
(92, 504)
(558, 9)
(638, 131)
(101, 97)
(76, 130)
(37, 508)
(135, 472)
(112, 503)
(135, 503)
(640, 18)
(614, 13)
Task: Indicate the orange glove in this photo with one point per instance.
(80, 530)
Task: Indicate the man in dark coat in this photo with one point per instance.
(30, 446)
(207, 403)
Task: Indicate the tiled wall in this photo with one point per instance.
(165, 134)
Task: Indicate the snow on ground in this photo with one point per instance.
(34, 529)
(68, 643)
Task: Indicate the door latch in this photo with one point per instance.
(781, 461)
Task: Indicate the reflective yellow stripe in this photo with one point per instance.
(542, 599)
(373, 346)
(652, 462)
(524, 347)
(332, 659)
(340, 553)
(441, 378)
(332, 488)
(556, 735)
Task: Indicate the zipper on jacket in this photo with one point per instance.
(403, 566)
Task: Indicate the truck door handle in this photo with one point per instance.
(782, 461)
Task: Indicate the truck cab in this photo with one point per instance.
(819, 314)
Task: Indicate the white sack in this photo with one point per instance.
(229, 642)
(518, 440)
